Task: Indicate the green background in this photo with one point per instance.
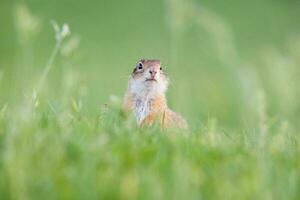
(208, 48)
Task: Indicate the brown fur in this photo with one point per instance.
(159, 111)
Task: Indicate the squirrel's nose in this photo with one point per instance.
(152, 72)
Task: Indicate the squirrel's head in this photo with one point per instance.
(148, 75)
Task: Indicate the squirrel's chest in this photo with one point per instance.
(142, 109)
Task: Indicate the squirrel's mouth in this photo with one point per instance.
(151, 80)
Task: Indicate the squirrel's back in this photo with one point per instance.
(173, 119)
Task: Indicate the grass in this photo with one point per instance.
(68, 155)
(63, 135)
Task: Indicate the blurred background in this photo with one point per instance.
(226, 60)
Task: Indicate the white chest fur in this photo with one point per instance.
(142, 109)
(143, 94)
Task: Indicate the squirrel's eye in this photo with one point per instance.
(140, 66)
(160, 68)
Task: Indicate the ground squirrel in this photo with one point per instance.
(145, 96)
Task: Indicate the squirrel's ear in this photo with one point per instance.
(134, 70)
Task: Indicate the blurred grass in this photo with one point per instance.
(67, 155)
(234, 69)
